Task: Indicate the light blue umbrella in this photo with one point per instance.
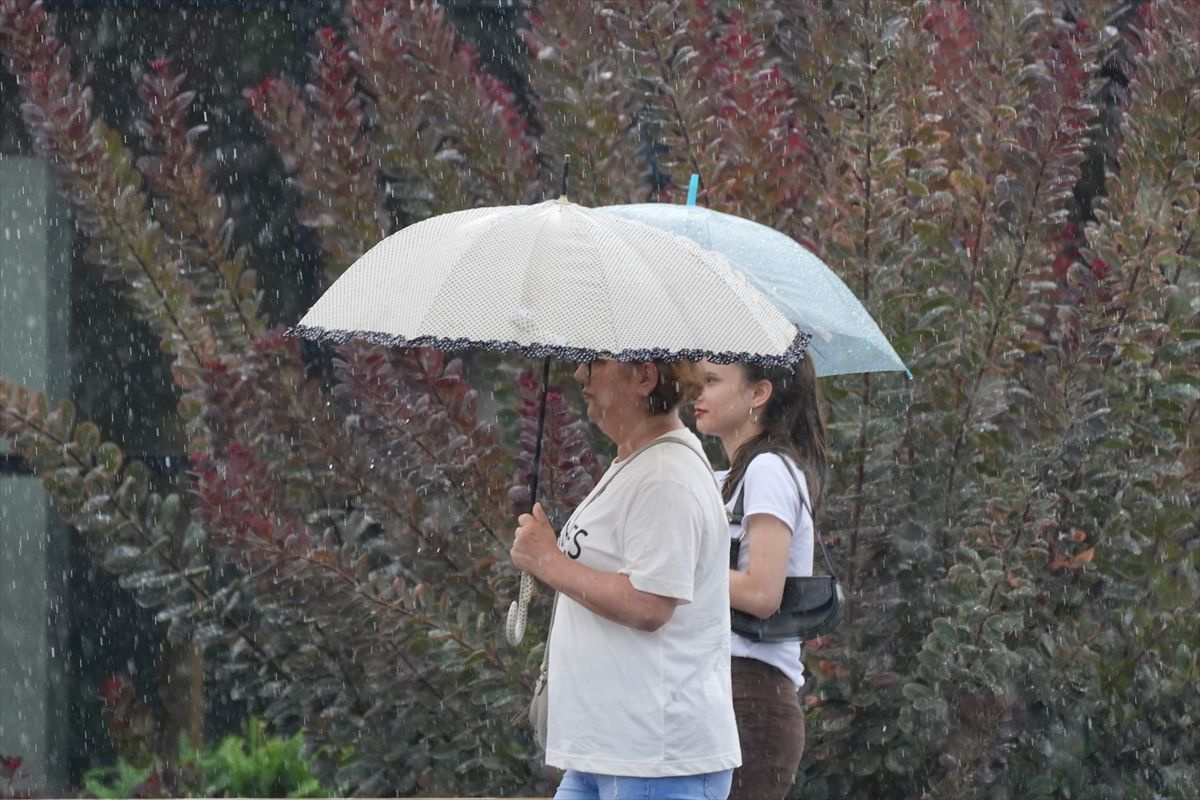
(845, 338)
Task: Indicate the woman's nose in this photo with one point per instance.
(582, 373)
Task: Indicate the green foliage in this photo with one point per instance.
(257, 765)
(1016, 525)
(253, 764)
(115, 783)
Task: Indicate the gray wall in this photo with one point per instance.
(35, 267)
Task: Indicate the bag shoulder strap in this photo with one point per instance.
(739, 505)
(665, 439)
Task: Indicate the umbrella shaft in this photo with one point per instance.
(541, 428)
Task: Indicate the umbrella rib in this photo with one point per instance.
(529, 257)
(746, 309)
(608, 295)
(677, 301)
(450, 271)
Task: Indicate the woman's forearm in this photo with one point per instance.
(610, 594)
(759, 589)
(751, 594)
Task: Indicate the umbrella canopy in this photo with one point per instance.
(845, 338)
(552, 279)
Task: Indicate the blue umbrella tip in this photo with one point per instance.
(693, 189)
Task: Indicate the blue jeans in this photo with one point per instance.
(590, 786)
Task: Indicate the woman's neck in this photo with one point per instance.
(733, 441)
(644, 431)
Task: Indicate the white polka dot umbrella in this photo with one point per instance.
(553, 279)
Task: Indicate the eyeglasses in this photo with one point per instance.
(588, 365)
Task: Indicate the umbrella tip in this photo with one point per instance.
(693, 188)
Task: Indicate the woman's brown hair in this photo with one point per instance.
(678, 382)
(793, 423)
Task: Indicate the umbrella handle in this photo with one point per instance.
(518, 612)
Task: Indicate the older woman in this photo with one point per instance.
(640, 703)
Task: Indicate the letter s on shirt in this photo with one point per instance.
(571, 545)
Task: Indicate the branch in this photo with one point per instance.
(197, 217)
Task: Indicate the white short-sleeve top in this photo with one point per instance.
(769, 489)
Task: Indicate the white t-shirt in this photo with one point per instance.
(627, 702)
(769, 489)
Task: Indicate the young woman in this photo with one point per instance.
(772, 428)
(639, 700)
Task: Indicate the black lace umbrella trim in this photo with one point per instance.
(794, 353)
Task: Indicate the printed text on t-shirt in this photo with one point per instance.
(570, 543)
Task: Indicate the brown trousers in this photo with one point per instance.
(770, 725)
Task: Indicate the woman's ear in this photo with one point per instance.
(643, 376)
(647, 377)
(761, 393)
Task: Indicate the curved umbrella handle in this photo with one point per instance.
(518, 612)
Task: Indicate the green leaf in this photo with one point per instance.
(87, 438)
(109, 457)
(915, 691)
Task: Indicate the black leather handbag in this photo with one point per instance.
(811, 605)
